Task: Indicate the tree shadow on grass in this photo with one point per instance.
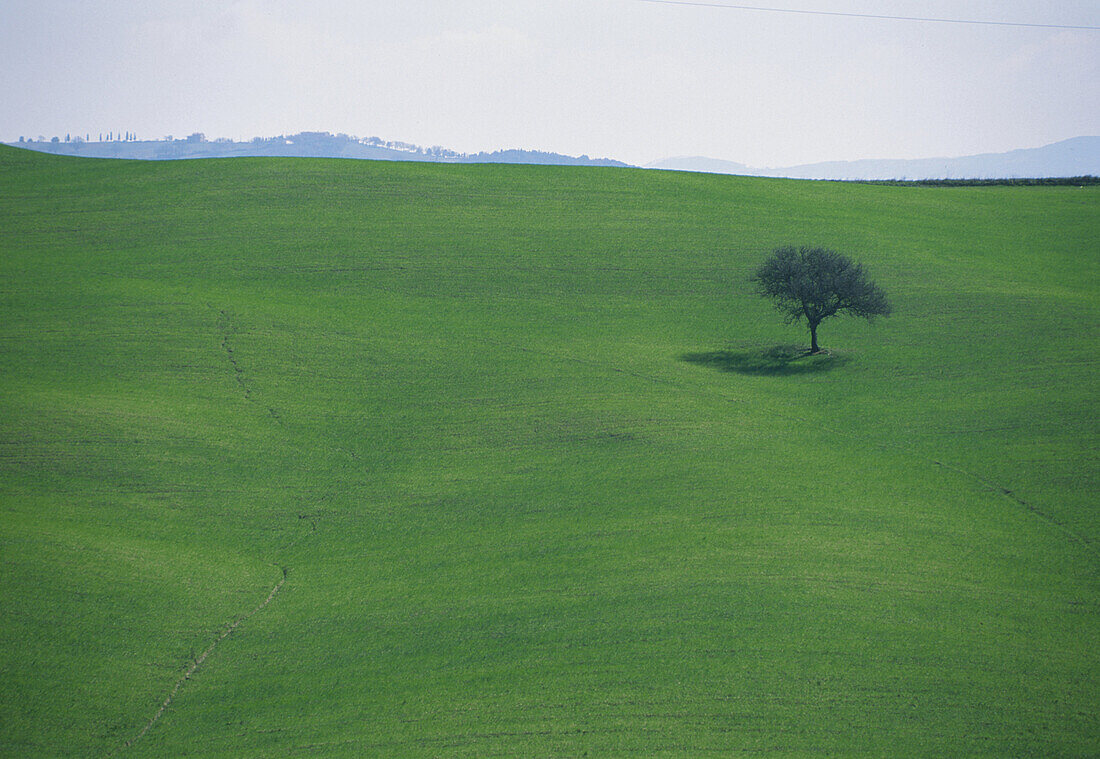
(776, 361)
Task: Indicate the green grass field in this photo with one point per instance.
(417, 459)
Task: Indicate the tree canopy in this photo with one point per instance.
(816, 283)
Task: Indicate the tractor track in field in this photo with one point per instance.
(197, 662)
(993, 487)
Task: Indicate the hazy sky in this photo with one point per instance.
(625, 79)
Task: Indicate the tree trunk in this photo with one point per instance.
(813, 338)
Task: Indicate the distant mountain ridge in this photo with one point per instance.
(302, 145)
(1079, 156)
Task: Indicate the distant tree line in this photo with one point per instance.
(1081, 181)
(111, 137)
(323, 144)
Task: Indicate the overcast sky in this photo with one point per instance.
(626, 79)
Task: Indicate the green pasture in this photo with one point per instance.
(542, 473)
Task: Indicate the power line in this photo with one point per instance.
(868, 15)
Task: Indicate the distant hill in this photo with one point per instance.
(1069, 158)
(1075, 157)
(412, 459)
(699, 163)
(301, 145)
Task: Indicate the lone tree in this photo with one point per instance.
(815, 283)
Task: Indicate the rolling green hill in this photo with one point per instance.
(357, 458)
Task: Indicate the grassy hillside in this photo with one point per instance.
(499, 460)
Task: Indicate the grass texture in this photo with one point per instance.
(335, 458)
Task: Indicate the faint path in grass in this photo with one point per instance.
(722, 358)
(1039, 513)
(202, 657)
(781, 361)
(227, 329)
